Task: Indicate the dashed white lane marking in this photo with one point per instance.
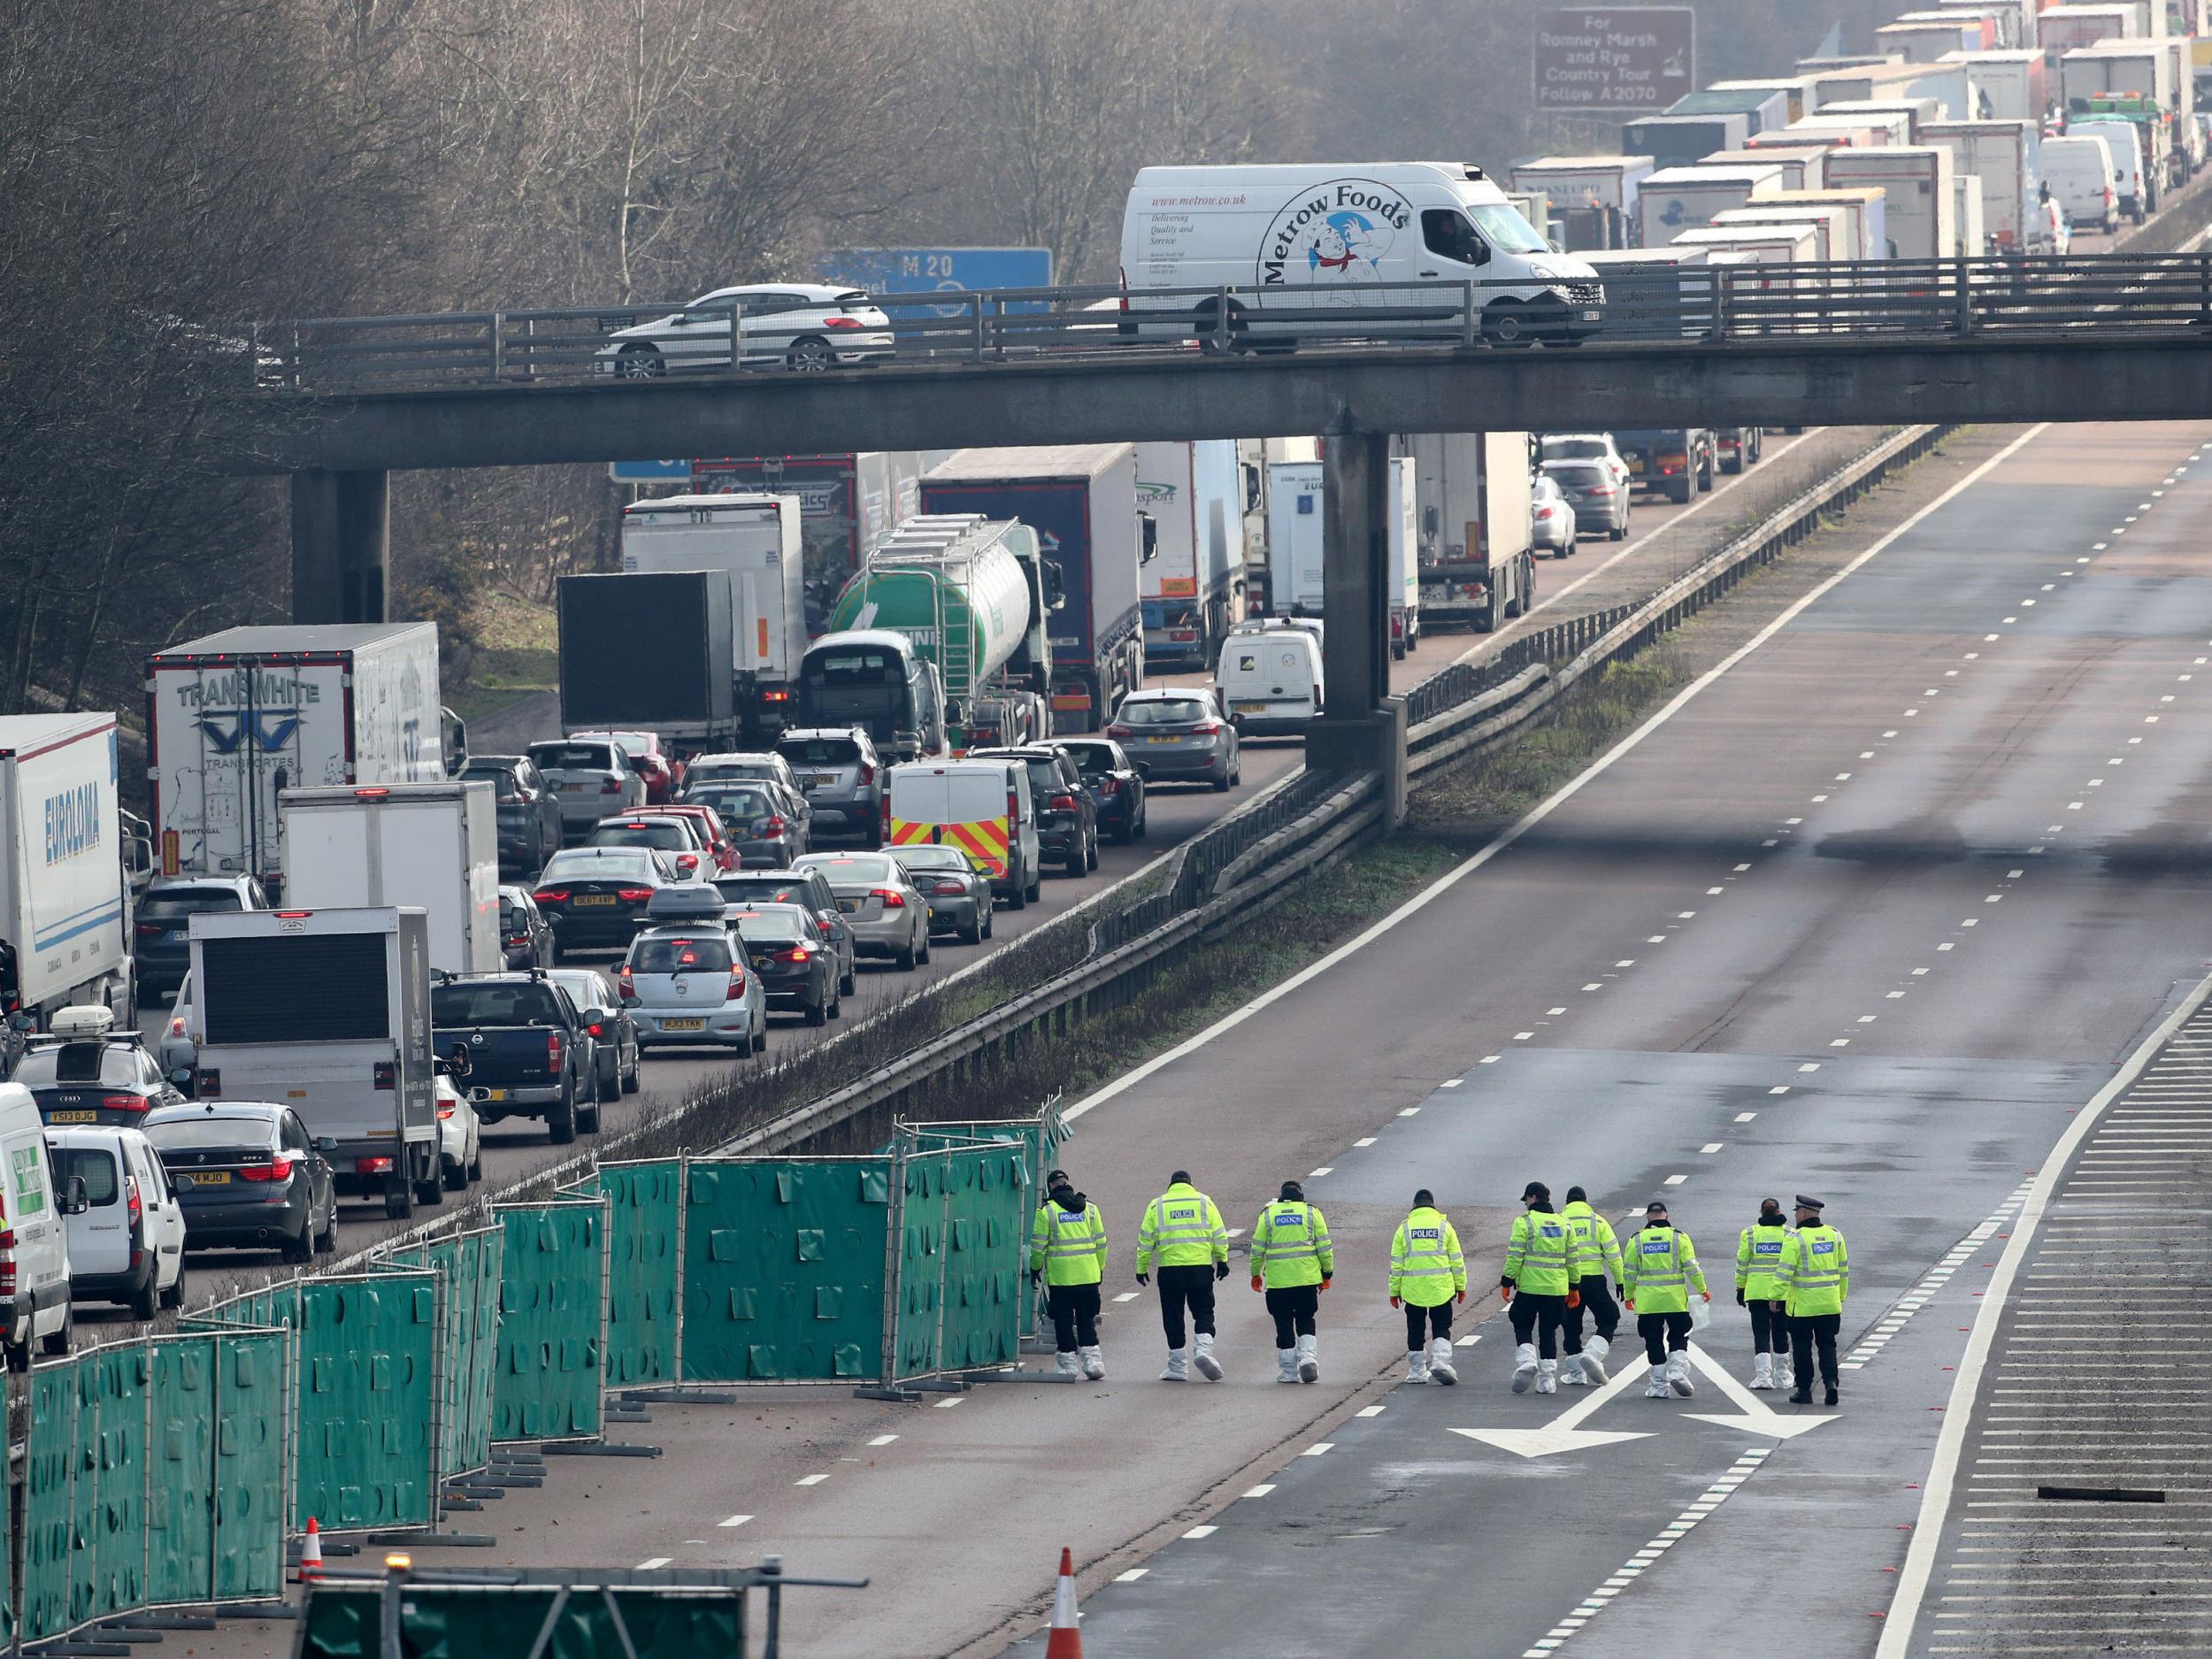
(1365, 1141)
(883, 1439)
(1410, 1111)
(947, 1405)
(734, 1520)
(1131, 1575)
(1368, 1411)
(1453, 1082)
(810, 1480)
(1710, 1146)
(1260, 1490)
(1319, 1173)
(1128, 1295)
(1675, 1181)
(651, 1561)
(1202, 1532)
(1745, 1118)
(1319, 1449)
(1649, 1555)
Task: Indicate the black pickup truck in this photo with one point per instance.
(529, 1048)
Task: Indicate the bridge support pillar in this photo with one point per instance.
(340, 534)
(1362, 727)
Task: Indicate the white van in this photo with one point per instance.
(34, 1233)
(982, 806)
(1327, 241)
(2126, 145)
(1270, 682)
(128, 1244)
(2079, 172)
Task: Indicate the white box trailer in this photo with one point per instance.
(1916, 111)
(1474, 528)
(2009, 85)
(233, 718)
(328, 1012)
(1799, 93)
(1866, 211)
(759, 540)
(1300, 492)
(1999, 157)
(1800, 163)
(2152, 69)
(1915, 184)
(1925, 41)
(2061, 28)
(2014, 19)
(64, 896)
(1685, 198)
(1193, 589)
(1830, 223)
(432, 846)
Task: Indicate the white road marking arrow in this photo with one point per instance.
(1758, 1417)
(1561, 1435)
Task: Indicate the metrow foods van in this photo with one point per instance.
(1321, 243)
(982, 807)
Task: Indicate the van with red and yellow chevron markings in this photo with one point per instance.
(982, 807)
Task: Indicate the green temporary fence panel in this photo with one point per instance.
(113, 1387)
(1040, 1136)
(467, 1622)
(180, 1523)
(253, 1436)
(959, 1290)
(783, 1265)
(643, 1217)
(468, 1268)
(552, 1328)
(50, 1520)
(361, 1429)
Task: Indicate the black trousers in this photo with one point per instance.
(1548, 1316)
(1661, 1331)
(1074, 1310)
(1294, 1307)
(1420, 1322)
(1181, 1287)
(1811, 1330)
(1597, 1301)
(1770, 1328)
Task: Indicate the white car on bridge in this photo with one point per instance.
(803, 326)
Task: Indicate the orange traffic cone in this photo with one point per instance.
(311, 1554)
(1066, 1641)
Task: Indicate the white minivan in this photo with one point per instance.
(2126, 145)
(34, 1208)
(128, 1244)
(1321, 243)
(982, 806)
(1270, 681)
(2079, 172)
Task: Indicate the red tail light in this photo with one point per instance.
(1601, 490)
(611, 785)
(445, 1110)
(884, 804)
(553, 1052)
(1061, 804)
(773, 827)
(737, 985)
(842, 323)
(797, 953)
(1182, 633)
(776, 694)
(595, 1029)
(366, 1166)
(1120, 734)
(685, 863)
(639, 896)
(947, 889)
(137, 1213)
(1108, 786)
(387, 1075)
(1208, 728)
(893, 900)
(278, 1169)
(7, 1262)
(176, 1026)
(148, 930)
(867, 773)
(551, 895)
(625, 984)
(1013, 807)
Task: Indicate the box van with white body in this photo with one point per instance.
(2007, 86)
(1829, 225)
(65, 899)
(2078, 169)
(2000, 158)
(435, 845)
(1329, 241)
(1299, 493)
(127, 1245)
(1270, 682)
(1866, 212)
(1801, 163)
(1594, 197)
(1917, 111)
(1686, 198)
(2125, 143)
(35, 1212)
(1915, 182)
(982, 806)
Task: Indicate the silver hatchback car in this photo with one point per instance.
(685, 984)
(887, 912)
(842, 778)
(1175, 734)
(958, 894)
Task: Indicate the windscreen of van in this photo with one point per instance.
(1504, 227)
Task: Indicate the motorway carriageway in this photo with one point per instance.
(1667, 540)
(1868, 913)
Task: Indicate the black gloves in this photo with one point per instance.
(1221, 1272)
(1740, 1301)
(1144, 1279)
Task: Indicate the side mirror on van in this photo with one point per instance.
(75, 1201)
(22, 1022)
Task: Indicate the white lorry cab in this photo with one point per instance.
(1318, 244)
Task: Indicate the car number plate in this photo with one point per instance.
(849, 905)
(683, 1024)
(1162, 740)
(818, 783)
(494, 1094)
(214, 1178)
(1635, 466)
(593, 898)
(575, 788)
(1251, 708)
(72, 1117)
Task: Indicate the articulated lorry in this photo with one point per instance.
(234, 719)
(649, 652)
(1475, 558)
(1298, 490)
(848, 503)
(432, 846)
(1081, 500)
(328, 1012)
(1194, 592)
(754, 540)
(65, 898)
(976, 598)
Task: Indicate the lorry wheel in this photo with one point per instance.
(1680, 493)
(429, 1187)
(560, 1118)
(456, 1176)
(1486, 619)
(399, 1202)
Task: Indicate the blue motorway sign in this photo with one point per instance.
(939, 270)
(650, 472)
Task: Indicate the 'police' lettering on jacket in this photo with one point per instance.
(1822, 1247)
(1287, 1218)
(1550, 1230)
(1424, 1233)
(1658, 1247)
(1183, 1213)
(1760, 1248)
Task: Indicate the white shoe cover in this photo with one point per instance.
(1524, 1367)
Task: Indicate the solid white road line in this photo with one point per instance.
(1536, 815)
(1935, 1496)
